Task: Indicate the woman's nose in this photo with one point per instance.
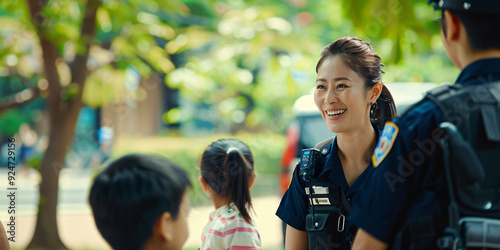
(331, 96)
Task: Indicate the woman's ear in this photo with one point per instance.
(203, 183)
(376, 91)
(164, 228)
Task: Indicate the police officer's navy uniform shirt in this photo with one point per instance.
(407, 181)
(294, 204)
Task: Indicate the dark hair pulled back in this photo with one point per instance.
(364, 60)
(227, 167)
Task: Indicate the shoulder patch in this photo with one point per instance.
(385, 143)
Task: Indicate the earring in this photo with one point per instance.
(373, 107)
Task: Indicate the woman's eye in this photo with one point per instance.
(341, 86)
(320, 87)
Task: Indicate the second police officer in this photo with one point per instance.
(417, 196)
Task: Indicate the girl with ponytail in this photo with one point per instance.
(227, 174)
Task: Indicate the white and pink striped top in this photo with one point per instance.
(229, 231)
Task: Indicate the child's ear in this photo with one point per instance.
(164, 228)
(203, 183)
(252, 180)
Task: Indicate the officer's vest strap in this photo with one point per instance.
(324, 143)
(486, 97)
(491, 111)
(343, 200)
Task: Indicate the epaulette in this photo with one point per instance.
(320, 145)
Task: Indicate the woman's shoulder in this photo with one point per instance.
(325, 143)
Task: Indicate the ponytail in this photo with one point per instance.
(239, 174)
(227, 167)
(384, 110)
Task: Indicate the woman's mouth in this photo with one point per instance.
(332, 114)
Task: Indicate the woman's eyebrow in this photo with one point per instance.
(334, 79)
(341, 78)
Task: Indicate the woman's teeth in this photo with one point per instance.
(335, 113)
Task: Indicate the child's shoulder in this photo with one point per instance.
(227, 227)
(229, 216)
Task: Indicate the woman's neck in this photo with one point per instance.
(356, 148)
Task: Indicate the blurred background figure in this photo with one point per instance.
(105, 138)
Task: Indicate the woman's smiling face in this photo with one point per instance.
(341, 96)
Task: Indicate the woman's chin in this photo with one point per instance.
(335, 128)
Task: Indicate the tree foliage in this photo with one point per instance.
(236, 64)
(261, 55)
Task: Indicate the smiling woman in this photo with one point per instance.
(355, 105)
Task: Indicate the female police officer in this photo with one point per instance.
(355, 105)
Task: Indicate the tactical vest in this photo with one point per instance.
(328, 209)
(471, 162)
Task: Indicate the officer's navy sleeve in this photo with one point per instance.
(293, 207)
(401, 186)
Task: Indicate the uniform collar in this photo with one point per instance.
(334, 166)
(481, 71)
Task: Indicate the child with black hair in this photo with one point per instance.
(140, 202)
(227, 174)
(4, 242)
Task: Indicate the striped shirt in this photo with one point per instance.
(229, 231)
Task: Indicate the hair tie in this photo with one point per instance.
(229, 150)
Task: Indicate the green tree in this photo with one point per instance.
(73, 52)
(257, 61)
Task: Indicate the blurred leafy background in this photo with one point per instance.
(169, 77)
(245, 61)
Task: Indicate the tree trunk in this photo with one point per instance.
(46, 231)
(63, 116)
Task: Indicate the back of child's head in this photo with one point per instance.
(227, 167)
(129, 195)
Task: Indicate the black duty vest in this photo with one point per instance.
(328, 209)
(471, 163)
